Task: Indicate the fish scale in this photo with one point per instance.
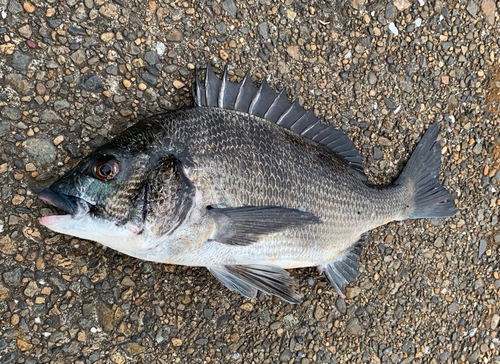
(247, 184)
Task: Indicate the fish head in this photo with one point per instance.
(104, 197)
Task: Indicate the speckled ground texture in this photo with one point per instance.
(75, 73)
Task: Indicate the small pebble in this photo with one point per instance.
(178, 84)
(40, 89)
(58, 140)
(28, 7)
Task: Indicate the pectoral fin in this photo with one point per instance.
(344, 269)
(247, 279)
(245, 225)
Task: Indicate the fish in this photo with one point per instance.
(246, 184)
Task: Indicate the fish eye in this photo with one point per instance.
(106, 169)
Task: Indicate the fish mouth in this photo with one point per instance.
(75, 207)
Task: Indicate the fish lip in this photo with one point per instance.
(74, 206)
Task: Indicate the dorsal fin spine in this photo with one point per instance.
(310, 126)
(240, 91)
(285, 113)
(220, 98)
(274, 103)
(255, 99)
(306, 114)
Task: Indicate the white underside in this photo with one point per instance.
(121, 238)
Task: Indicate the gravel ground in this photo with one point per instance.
(75, 73)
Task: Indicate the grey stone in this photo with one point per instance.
(354, 327)
(40, 149)
(20, 62)
(54, 23)
(390, 11)
(285, 356)
(4, 127)
(341, 306)
(405, 83)
(494, 321)
(94, 120)
(95, 356)
(372, 78)
(478, 148)
(221, 28)
(264, 30)
(202, 341)
(56, 336)
(438, 243)
(230, 7)
(366, 41)
(175, 35)
(208, 313)
(472, 8)
(390, 104)
(446, 45)
(377, 153)
(59, 282)
(51, 64)
(90, 83)
(78, 57)
(79, 14)
(482, 247)
(60, 105)
(11, 358)
(112, 70)
(149, 79)
(76, 31)
(275, 325)
(150, 95)
(151, 57)
(13, 276)
(15, 7)
(18, 83)
(454, 307)
(171, 68)
(478, 283)
(359, 48)
(11, 113)
(49, 116)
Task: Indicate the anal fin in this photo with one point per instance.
(344, 269)
(247, 279)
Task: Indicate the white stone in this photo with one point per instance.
(393, 29)
(160, 48)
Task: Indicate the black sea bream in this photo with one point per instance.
(244, 183)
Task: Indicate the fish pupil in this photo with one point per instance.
(106, 170)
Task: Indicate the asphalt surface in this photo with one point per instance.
(74, 74)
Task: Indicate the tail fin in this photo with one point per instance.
(421, 172)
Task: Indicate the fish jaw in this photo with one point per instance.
(81, 223)
(125, 238)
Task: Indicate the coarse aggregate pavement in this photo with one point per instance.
(74, 73)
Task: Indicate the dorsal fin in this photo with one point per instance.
(275, 107)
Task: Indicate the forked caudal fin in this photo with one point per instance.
(421, 175)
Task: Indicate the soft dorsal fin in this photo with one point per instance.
(275, 107)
